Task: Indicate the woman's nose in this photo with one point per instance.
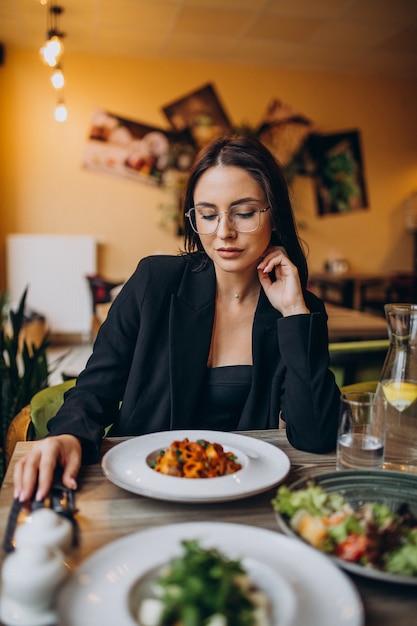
(225, 228)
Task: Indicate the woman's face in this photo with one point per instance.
(222, 187)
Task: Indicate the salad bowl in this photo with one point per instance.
(360, 487)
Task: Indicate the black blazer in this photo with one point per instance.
(149, 362)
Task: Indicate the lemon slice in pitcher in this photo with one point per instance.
(400, 394)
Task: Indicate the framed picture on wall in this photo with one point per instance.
(134, 150)
(338, 172)
(202, 113)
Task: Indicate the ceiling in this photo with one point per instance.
(362, 37)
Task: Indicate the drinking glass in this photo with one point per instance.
(361, 433)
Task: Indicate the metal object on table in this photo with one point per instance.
(60, 499)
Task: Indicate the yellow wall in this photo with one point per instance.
(43, 188)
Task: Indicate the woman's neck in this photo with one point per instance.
(234, 289)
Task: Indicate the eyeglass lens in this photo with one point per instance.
(244, 218)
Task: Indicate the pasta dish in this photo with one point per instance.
(195, 459)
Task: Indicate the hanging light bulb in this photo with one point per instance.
(51, 53)
(57, 78)
(53, 48)
(61, 113)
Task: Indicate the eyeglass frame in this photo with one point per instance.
(255, 206)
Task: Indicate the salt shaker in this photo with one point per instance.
(31, 576)
(47, 528)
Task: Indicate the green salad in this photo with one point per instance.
(371, 535)
(204, 588)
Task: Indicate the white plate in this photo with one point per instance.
(99, 590)
(127, 466)
(282, 598)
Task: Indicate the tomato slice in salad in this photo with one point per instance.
(352, 548)
(371, 535)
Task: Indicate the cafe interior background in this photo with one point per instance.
(345, 67)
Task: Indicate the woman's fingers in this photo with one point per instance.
(72, 462)
(25, 478)
(46, 469)
(277, 261)
(273, 257)
(36, 469)
(284, 288)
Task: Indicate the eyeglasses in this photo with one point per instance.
(244, 218)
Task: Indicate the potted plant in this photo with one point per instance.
(23, 367)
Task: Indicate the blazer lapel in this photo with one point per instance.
(256, 412)
(191, 323)
(190, 328)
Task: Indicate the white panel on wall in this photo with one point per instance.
(54, 267)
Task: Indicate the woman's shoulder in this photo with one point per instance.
(164, 261)
(173, 263)
(167, 264)
(155, 274)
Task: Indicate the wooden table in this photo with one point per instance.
(347, 285)
(348, 324)
(107, 512)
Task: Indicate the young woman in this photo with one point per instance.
(224, 336)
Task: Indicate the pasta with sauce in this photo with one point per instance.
(195, 459)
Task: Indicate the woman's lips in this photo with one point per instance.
(229, 253)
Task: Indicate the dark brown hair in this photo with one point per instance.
(251, 155)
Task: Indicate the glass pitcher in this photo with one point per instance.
(398, 388)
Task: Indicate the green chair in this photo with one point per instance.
(357, 361)
(45, 405)
(30, 423)
(370, 385)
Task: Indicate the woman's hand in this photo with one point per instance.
(285, 293)
(36, 469)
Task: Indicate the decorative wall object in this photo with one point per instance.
(338, 172)
(163, 157)
(285, 132)
(135, 150)
(202, 113)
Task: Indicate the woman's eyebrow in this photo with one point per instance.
(245, 200)
(205, 204)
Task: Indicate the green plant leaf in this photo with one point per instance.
(22, 374)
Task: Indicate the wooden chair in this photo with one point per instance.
(399, 287)
(403, 288)
(101, 289)
(30, 423)
(17, 431)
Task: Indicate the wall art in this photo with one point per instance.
(202, 113)
(338, 172)
(135, 150)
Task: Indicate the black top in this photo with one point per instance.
(227, 389)
(148, 370)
